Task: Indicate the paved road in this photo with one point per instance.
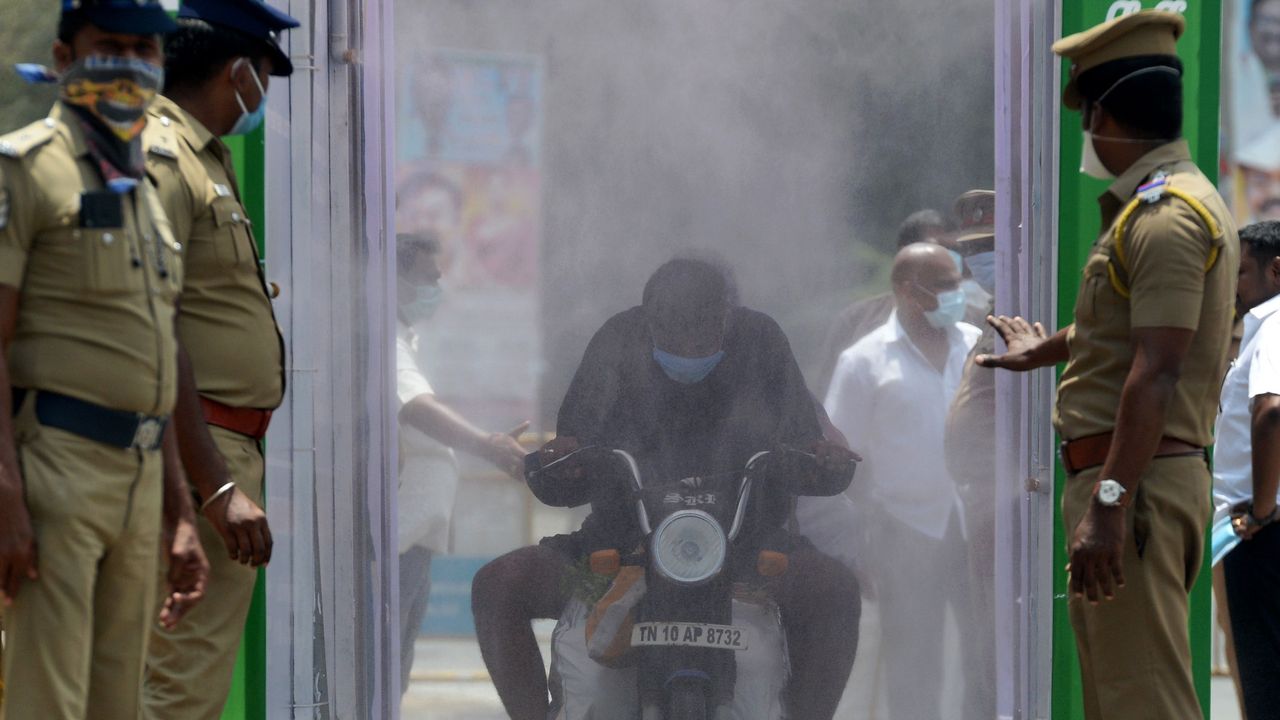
(449, 682)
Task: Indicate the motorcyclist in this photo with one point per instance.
(689, 384)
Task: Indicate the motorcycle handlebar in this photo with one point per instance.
(570, 491)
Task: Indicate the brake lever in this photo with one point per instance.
(572, 454)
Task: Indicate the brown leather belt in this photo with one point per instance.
(1091, 451)
(246, 421)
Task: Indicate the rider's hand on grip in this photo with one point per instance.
(824, 469)
(565, 474)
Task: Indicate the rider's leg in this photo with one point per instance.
(820, 605)
(506, 596)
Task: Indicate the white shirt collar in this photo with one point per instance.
(404, 330)
(1255, 317)
(897, 332)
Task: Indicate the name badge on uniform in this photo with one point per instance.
(221, 190)
(101, 209)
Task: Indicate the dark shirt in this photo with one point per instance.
(754, 400)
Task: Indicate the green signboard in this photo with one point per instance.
(248, 697)
(1079, 225)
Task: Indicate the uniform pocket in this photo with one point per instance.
(232, 243)
(1141, 521)
(1097, 297)
(109, 260)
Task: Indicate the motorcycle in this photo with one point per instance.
(683, 624)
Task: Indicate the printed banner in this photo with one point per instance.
(468, 157)
(1251, 111)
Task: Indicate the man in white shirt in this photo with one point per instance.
(1246, 472)
(428, 431)
(889, 396)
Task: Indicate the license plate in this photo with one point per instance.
(702, 635)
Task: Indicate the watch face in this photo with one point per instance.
(1109, 492)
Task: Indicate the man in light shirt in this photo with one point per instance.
(1246, 473)
(889, 396)
(428, 431)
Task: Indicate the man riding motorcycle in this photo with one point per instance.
(690, 385)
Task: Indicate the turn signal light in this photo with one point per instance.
(606, 562)
(771, 564)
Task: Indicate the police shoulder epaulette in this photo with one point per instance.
(1150, 193)
(20, 142)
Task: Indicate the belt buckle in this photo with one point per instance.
(147, 434)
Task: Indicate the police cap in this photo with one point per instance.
(1144, 33)
(975, 214)
(131, 17)
(250, 17)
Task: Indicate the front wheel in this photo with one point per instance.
(688, 702)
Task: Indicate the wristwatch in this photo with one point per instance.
(1110, 493)
(1252, 520)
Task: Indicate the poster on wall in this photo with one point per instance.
(1251, 128)
(468, 172)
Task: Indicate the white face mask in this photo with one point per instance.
(1090, 163)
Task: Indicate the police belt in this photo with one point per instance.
(1091, 451)
(117, 428)
(245, 421)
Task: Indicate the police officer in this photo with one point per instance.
(1145, 358)
(231, 359)
(970, 455)
(89, 277)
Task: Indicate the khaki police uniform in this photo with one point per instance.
(95, 324)
(1175, 267)
(228, 329)
(970, 455)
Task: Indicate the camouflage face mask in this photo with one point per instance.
(115, 91)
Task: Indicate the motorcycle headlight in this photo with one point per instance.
(689, 547)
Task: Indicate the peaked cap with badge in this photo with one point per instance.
(253, 18)
(1166, 260)
(1140, 34)
(975, 215)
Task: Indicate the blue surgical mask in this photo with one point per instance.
(983, 267)
(686, 370)
(426, 301)
(250, 121)
(950, 309)
(959, 260)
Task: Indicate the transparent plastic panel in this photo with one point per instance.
(331, 451)
(549, 158)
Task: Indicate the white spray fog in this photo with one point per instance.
(789, 138)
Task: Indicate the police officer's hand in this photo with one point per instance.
(243, 528)
(1021, 339)
(1096, 549)
(188, 571)
(505, 451)
(17, 544)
